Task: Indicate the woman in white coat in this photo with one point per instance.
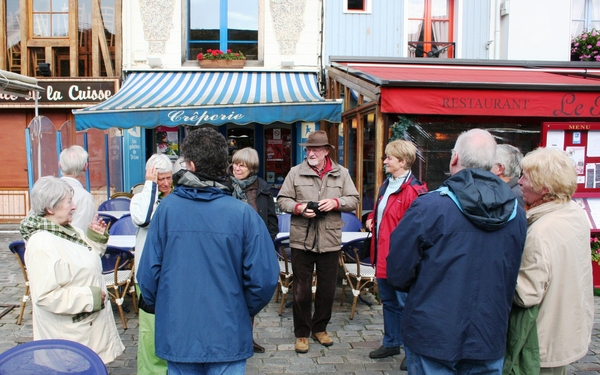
(556, 267)
(65, 272)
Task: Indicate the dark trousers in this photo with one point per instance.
(303, 264)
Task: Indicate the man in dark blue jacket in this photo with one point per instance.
(208, 266)
(457, 253)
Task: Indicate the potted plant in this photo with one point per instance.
(586, 46)
(217, 59)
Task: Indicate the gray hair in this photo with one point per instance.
(72, 160)
(207, 149)
(161, 162)
(476, 148)
(48, 192)
(510, 157)
(248, 157)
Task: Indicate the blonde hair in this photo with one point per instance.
(552, 169)
(403, 150)
(248, 157)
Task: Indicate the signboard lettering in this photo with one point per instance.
(76, 92)
(181, 117)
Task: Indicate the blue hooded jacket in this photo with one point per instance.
(207, 267)
(457, 253)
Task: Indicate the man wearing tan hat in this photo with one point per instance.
(315, 192)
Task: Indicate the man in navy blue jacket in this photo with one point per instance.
(457, 253)
(208, 266)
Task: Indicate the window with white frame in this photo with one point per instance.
(223, 25)
(585, 16)
(357, 6)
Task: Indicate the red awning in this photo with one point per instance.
(483, 90)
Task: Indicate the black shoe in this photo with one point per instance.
(384, 351)
(257, 348)
(403, 365)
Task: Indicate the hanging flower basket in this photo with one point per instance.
(217, 59)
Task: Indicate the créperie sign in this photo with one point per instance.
(77, 93)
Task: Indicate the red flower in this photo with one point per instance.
(214, 53)
(200, 56)
(209, 51)
(237, 55)
(228, 51)
(220, 52)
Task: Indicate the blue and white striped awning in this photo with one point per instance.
(150, 99)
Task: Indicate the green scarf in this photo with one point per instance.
(34, 223)
(240, 186)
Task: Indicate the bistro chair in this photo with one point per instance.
(121, 194)
(115, 204)
(18, 248)
(351, 223)
(108, 219)
(123, 226)
(284, 222)
(284, 256)
(137, 188)
(51, 357)
(118, 270)
(359, 275)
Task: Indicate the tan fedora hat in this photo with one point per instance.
(316, 139)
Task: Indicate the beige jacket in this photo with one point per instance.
(60, 274)
(556, 274)
(303, 185)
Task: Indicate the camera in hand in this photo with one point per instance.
(315, 207)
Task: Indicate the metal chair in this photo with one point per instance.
(121, 194)
(115, 204)
(123, 226)
(359, 275)
(51, 357)
(137, 188)
(108, 219)
(118, 270)
(284, 222)
(284, 256)
(351, 223)
(18, 248)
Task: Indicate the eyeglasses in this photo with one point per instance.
(239, 165)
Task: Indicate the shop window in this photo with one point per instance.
(586, 16)
(357, 6)
(435, 140)
(223, 24)
(430, 28)
(278, 156)
(50, 18)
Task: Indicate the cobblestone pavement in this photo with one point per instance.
(353, 339)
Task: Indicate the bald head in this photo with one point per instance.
(475, 148)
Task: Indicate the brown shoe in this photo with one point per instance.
(323, 338)
(301, 344)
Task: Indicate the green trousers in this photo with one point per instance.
(147, 361)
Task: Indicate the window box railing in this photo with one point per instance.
(444, 50)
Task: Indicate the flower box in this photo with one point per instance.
(222, 64)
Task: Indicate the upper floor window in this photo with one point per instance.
(430, 28)
(50, 18)
(357, 6)
(586, 16)
(223, 24)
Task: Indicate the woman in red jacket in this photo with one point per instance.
(395, 197)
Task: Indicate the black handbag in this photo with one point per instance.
(365, 252)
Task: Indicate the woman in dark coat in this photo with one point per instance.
(255, 191)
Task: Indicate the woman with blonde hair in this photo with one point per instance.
(556, 272)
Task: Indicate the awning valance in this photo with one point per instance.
(17, 84)
(150, 99)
